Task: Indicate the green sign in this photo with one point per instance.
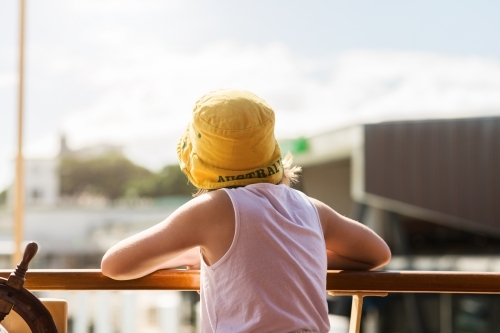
(296, 146)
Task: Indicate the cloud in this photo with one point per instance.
(138, 92)
(147, 101)
(128, 72)
(141, 100)
(401, 83)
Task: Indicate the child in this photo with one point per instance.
(263, 247)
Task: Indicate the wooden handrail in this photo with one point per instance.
(414, 282)
(92, 279)
(356, 283)
(339, 282)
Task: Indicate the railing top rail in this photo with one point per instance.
(337, 281)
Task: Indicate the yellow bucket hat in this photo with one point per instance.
(230, 142)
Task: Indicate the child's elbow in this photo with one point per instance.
(107, 269)
(112, 270)
(384, 256)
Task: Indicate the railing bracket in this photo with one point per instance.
(357, 307)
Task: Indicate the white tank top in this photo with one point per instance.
(273, 277)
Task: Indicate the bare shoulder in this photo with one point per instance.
(208, 207)
(215, 213)
(218, 199)
(202, 217)
(333, 222)
(326, 214)
(320, 206)
(205, 205)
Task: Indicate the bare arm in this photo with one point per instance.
(349, 244)
(190, 258)
(176, 241)
(151, 249)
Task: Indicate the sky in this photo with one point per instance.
(128, 72)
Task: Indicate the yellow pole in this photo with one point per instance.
(19, 186)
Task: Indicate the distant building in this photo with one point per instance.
(41, 183)
(431, 189)
(41, 176)
(41, 179)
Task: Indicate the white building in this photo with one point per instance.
(41, 182)
(42, 178)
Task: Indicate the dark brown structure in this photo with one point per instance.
(448, 170)
(431, 189)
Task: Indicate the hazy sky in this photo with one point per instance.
(128, 72)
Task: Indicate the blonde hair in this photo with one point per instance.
(290, 174)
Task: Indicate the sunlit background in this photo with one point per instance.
(128, 72)
(119, 78)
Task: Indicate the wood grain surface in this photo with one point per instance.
(339, 281)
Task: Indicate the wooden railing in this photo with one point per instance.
(355, 283)
(337, 281)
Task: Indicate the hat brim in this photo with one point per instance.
(206, 176)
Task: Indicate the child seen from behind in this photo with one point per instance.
(263, 248)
